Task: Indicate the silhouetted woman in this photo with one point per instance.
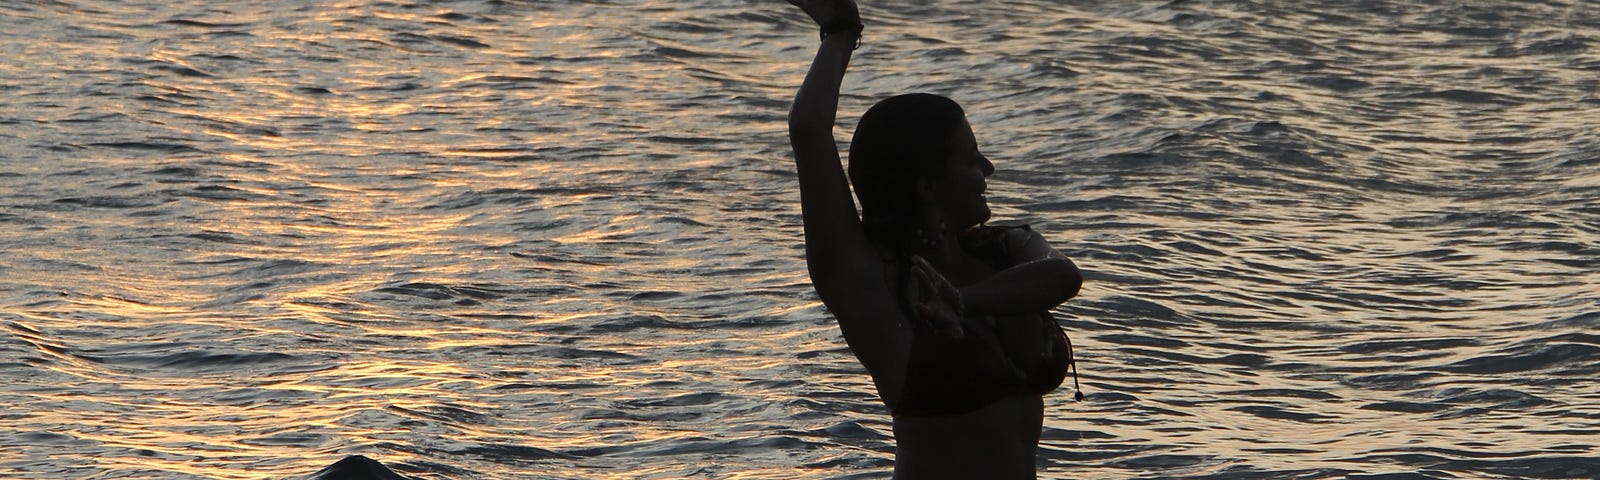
(949, 316)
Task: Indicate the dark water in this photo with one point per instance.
(489, 239)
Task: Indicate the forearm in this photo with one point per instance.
(1031, 287)
(831, 222)
(817, 103)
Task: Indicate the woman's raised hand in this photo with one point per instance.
(830, 14)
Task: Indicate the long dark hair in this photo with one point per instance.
(900, 140)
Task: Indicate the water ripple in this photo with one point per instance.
(490, 239)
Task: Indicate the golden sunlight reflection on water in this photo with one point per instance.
(527, 239)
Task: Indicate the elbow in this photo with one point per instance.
(1069, 279)
(797, 121)
(802, 130)
(809, 122)
(795, 124)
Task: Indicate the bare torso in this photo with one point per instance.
(998, 441)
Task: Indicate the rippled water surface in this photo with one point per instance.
(512, 239)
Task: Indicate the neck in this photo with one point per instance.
(943, 254)
(936, 239)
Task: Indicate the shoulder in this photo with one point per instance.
(860, 294)
(874, 327)
(1028, 245)
(999, 244)
(1017, 237)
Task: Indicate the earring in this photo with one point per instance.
(937, 238)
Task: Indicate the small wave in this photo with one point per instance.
(445, 413)
(196, 23)
(681, 140)
(110, 202)
(508, 453)
(1285, 393)
(1573, 355)
(223, 237)
(1567, 45)
(680, 53)
(685, 400)
(1410, 345)
(1583, 321)
(191, 362)
(1468, 97)
(218, 192)
(1533, 465)
(1406, 407)
(701, 445)
(459, 41)
(301, 440)
(1144, 340)
(1164, 462)
(1392, 381)
(147, 146)
(1498, 398)
(1142, 312)
(180, 70)
(51, 439)
(571, 353)
(1283, 413)
(1335, 83)
(175, 171)
(435, 291)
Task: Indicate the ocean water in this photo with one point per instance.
(560, 239)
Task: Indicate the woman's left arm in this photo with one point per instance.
(1040, 279)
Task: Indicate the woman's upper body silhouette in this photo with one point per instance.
(950, 316)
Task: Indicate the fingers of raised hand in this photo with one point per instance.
(817, 9)
(829, 12)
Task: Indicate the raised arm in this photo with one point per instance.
(836, 246)
(845, 268)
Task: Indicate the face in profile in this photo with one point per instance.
(959, 194)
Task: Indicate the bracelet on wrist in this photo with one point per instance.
(844, 27)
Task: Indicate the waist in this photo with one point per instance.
(998, 441)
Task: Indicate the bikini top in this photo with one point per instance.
(950, 377)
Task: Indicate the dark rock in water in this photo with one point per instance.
(357, 467)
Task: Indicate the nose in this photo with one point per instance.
(988, 166)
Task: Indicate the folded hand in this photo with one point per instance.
(935, 300)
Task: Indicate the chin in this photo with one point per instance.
(982, 217)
